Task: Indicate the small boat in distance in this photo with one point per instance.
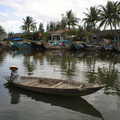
(58, 45)
(79, 46)
(55, 86)
(89, 47)
(117, 46)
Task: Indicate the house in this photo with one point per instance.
(56, 35)
(116, 34)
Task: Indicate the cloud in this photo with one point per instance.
(13, 11)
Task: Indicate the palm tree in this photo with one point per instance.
(92, 17)
(2, 31)
(41, 28)
(109, 15)
(70, 19)
(29, 24)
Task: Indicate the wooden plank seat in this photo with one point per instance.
(34, 84)
(57, 84)
(81, 86)
(47, 82)
(28, 82)
(43, 85)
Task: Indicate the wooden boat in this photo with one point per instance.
(117, 46)
(55, 86)
(77, 103)
(105, 48)
(37, 45)
(89, 47)
(58, 47)
(78, 46)
(21, 44)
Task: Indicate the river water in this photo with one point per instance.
(93, 67)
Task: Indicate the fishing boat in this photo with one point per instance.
(117, 46)
(58, 45)
(78, 46)
(89, 47)
(77, 104)
(105, 48)
(55, 86)
(37, 45)
(21, 44)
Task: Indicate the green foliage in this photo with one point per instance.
(92, 17)
(109, 15)
(96, 17)
(28, 24)
(2, 30)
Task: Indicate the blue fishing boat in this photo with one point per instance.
(21, 44)
(78, 46)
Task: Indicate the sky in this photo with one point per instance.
(12, 12)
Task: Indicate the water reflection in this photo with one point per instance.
(74, 103)
(21, 52)
(2, 56)
(92, 67)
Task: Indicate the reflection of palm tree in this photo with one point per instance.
(109, 77)
(64, 59)
(103, 75)
(68, 64)
(29, 64)
(2, 56)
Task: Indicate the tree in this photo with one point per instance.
(2, 30)
(92, 17)
(29, 24)
(63, 23)
(41, 28)
(70, 19)
(110, 15)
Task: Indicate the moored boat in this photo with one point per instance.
(78, 46)
(58, 45)
(90, 47)
(55, 86)
(21, 44)
(77, 104)
(117, 46)
(37, 45)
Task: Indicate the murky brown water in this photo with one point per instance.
(17, 104)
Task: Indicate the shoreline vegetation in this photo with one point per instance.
(96, 18)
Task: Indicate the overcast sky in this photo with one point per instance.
(12, 12)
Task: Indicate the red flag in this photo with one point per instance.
(66, 30)
(40, 34)
(54, 23)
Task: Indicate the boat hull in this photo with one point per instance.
(78, 91)
(22, 45)
(58, 47)
(78, 46)
(117, 46)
